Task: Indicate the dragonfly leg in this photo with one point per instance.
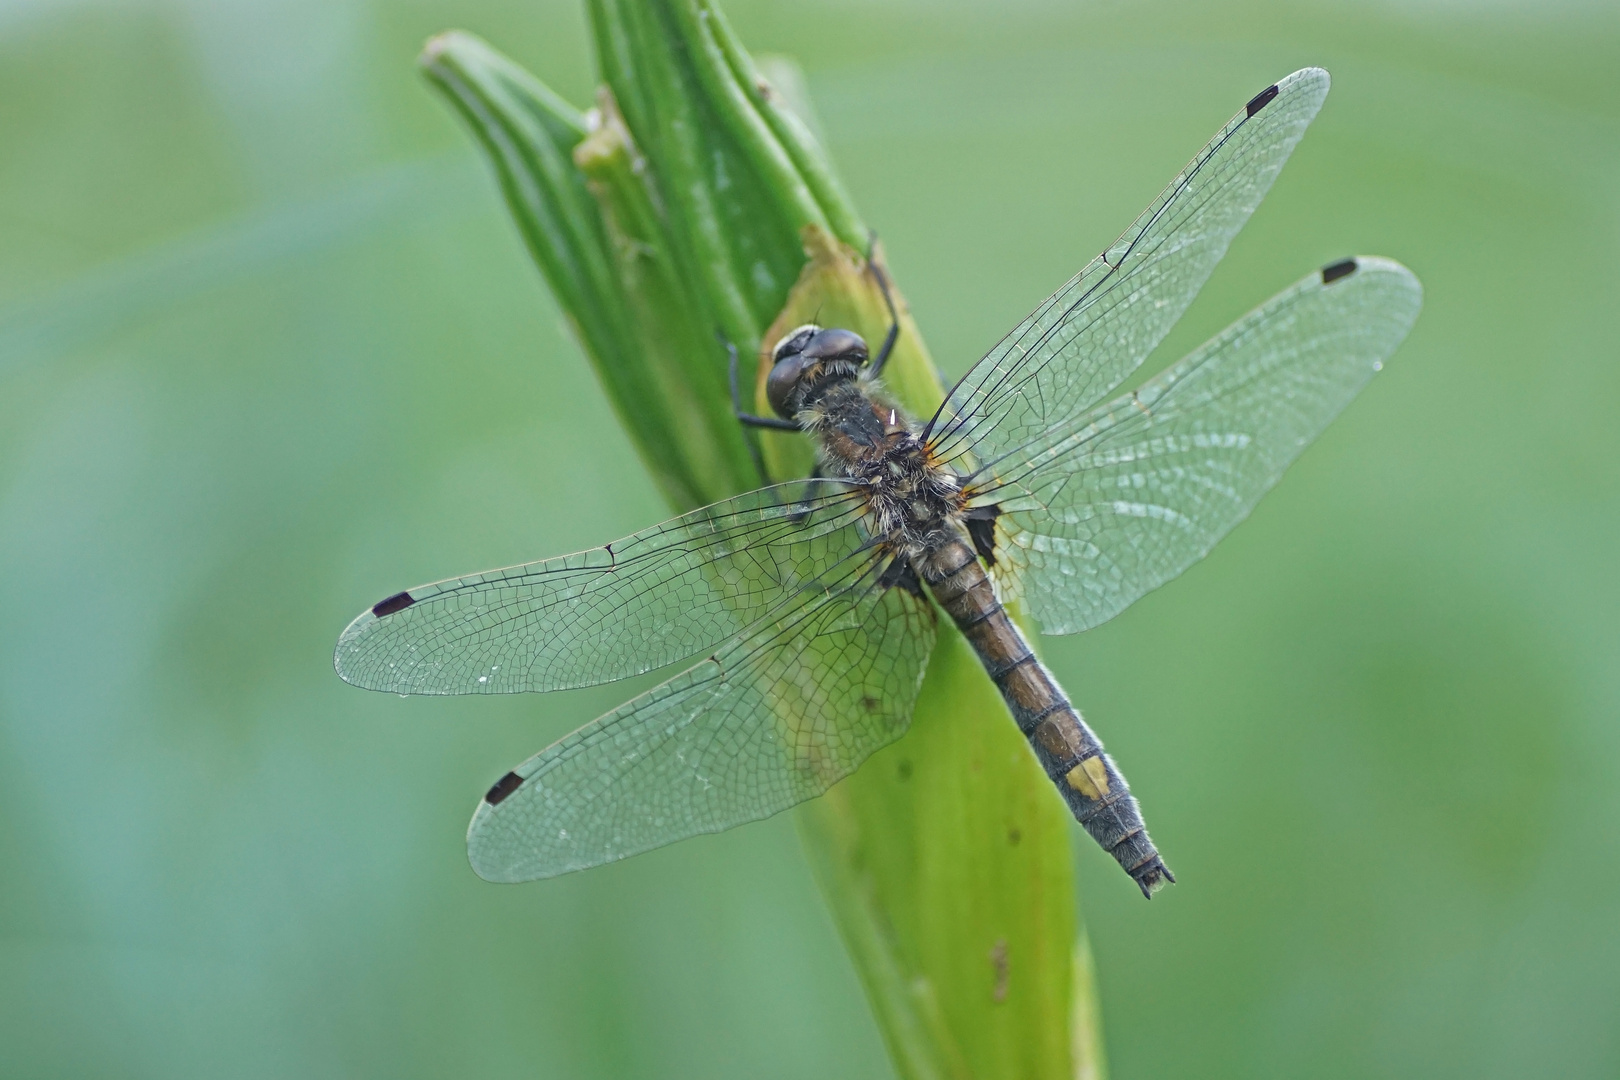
(894, 316)
(901, 573)
(749, 419)
(981, 527)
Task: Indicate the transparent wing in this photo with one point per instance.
(1096, 330)
(770, 720)
(1102, 510)
(662, 595)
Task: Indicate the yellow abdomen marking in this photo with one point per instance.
(1089, 778)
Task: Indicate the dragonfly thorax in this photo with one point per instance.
(912, 503)
(820, 380)
(911, 500)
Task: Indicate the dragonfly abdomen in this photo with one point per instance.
(1067, 749)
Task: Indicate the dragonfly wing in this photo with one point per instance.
(771, 719)
(1094, 331)
(660, 596)
(1102, 510)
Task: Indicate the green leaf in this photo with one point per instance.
(678, 352)
(697, 203)
(945, 858)
(947, 864)
(597, 238)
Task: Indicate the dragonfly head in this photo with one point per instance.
(808, 357)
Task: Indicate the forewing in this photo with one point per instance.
(1102, 510)
(660, 596)
(770, 720)
(1096, 330)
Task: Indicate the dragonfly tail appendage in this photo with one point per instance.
(1067, 749)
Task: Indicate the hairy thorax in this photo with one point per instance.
(913, 502)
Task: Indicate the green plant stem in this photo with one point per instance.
(696, 202)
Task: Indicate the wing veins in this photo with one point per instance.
(1134, 422)
(1111, 279)
(666, 765)
(1192, 450)
(658, 596)
(1111, 315)
(967, 421)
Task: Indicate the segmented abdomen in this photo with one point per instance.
(1067, 749)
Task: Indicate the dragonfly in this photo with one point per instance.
(811, 607)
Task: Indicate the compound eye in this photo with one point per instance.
(836, 345)
(794, 341)
(780, 382)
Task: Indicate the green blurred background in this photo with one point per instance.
(269, 349)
